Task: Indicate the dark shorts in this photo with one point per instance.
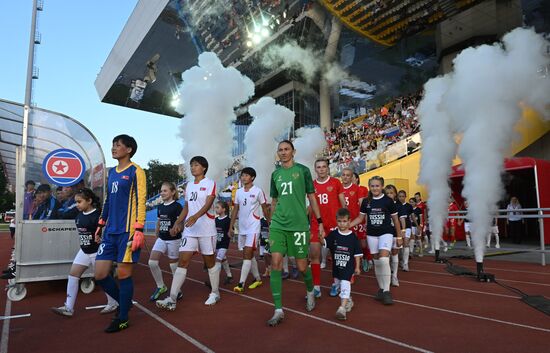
(115, 247)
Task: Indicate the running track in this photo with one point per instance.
(434, 312)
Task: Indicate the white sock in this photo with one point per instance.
(394, 265)
(324, 252)
(173, 267)
(225, 265)
(244, 271)
(468, 241)
(157, 274)
(385, 273)
(214, 275)
(406, 253)
(254, 269)
(177, 282)
(110, 300)
(285, 264)
(497, 240)
(411, 245)
(72, 291)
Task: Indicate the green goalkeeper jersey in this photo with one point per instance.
(290, 187)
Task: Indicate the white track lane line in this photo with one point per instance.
(5, 328)
(496, 269)
(437, 286)
(445, 310)
(174, 329)
(349, 328)
(499, 279)
(14, 316)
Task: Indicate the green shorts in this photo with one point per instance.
(289, 242)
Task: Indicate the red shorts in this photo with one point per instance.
(314, 232)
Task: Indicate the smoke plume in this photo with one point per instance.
(309, 143)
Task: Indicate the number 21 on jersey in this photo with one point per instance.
(287, 188)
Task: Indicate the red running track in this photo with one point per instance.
(434, 311)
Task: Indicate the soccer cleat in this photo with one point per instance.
(285, 275)
(157, 293)
(349, 305)
(365, 264)
(109, 308)
(323, 265)
(394, 281)
(431, 252)
(239, 288)
(180, 296)
(387, 298)
(117, 325)
(294, 273)
(228, 280)
(166, 304)
(379, 295)
(334, 290)
(406, 267)
(255, 285)
(277, 318)
(63, 311)
(341, 313)
(213, 298)
(310, 303)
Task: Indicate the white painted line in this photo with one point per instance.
(174, 329)
(494, 268)
(102, 306)
(5, 328)
(366, 333)
(14, 316)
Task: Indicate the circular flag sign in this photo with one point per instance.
(63, 167)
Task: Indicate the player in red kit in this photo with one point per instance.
(330, 196)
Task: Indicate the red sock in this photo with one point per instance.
(366, 254)
(316, 273)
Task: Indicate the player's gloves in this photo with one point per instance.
(138, 239)
(100, 226)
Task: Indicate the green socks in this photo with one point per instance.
(308, 279)
(276, 287)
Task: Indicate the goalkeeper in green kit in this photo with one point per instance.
(289, 229)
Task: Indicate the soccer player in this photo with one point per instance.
(346, 254)
(330, 198)
(123, 218)
(248, 201)
(361, 231)
(167, 213)
(424, 220)
(417, 226)
(199, 233)
(391, 192)
(222, 238)
(291, 183)
(380, 212)
(452, 222)
(405, 211)
(86, 221)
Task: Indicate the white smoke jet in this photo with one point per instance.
(310, 62)
(271, 122)
(482, 98)
(438, 151)
(208, 95)
(309, 144)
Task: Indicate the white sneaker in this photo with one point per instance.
(394, 281)
(349, 305)
(277, 318)
(166, 304)
(431, 252)
(341, 313)
(213, 298)
(323, 265)
(63, 311)
(109, 308)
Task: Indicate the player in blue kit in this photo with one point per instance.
(122, 218)
(346, 253)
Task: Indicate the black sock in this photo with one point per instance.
(437, 255)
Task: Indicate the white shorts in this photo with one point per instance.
(383, 242)
(494, 230)
(408, 233)
(262, 251)
(248, 240)
(467, 226)
(168, 247)
(204, 245)
(84, 259)
(220, 254)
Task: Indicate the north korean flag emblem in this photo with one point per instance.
(63, 167)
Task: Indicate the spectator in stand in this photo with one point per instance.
(28, 199)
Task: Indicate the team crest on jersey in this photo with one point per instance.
(330, 188)
(202, 189)
(295, 175)
(352, 193)
(280, 178)
(126, 177)
(252, 196)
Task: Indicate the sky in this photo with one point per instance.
(77, 37)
